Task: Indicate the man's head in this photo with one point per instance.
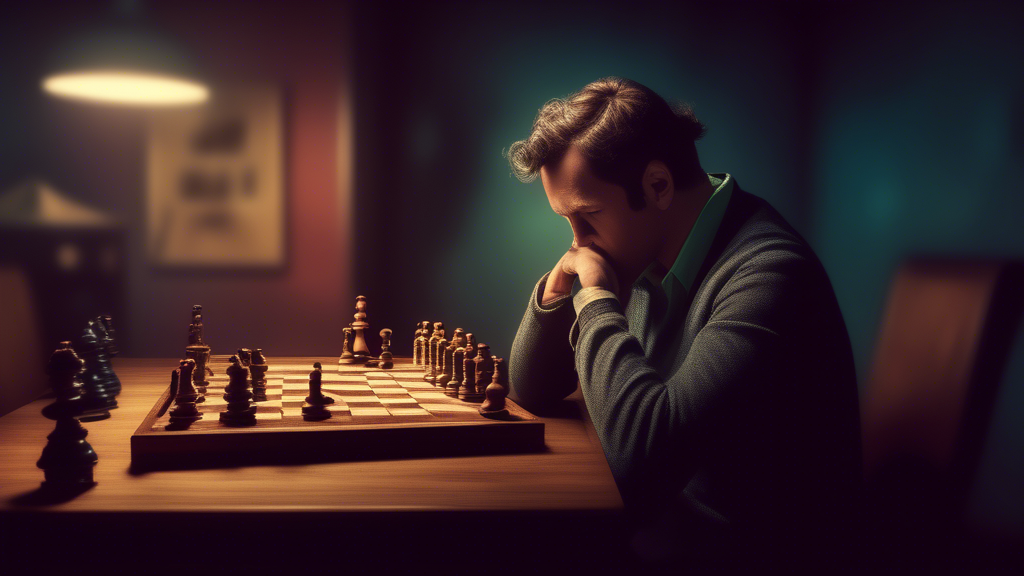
(611, 158)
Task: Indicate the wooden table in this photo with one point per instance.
(480, 513)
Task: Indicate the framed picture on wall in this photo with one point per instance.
(215, 182)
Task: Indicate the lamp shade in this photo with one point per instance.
(125, 65)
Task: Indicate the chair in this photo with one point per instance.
(943, 345)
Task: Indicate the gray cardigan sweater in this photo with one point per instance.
(738, 414)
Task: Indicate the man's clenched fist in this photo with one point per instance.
(589, 264)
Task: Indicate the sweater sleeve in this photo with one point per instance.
(541, 367)
(654, 428)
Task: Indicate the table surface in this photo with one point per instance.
(555, 501)
(571, 476)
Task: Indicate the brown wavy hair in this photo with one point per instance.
(619, 126)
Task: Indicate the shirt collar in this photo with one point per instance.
(695, 249)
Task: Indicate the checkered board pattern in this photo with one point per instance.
(360, 394)
(376, 413)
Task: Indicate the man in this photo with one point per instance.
(706, 337)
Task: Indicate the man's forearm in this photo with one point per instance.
(541, 368)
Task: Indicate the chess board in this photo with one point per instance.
(376, 414)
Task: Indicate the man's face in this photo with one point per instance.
(600, 216)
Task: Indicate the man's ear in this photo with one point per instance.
(658, 186)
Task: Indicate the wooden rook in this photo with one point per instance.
(315, 407)
(496, 392)
(484, 368)
(359, 347)
(240, 411)
(347, 357)
(97, 399)
(185, 412)
(67, 460)
(467, 391)
(258, 370)
(386, 359)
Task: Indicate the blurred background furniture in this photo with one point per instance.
(943, 345)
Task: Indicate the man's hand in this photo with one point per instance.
(589, 264)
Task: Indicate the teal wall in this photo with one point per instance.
(921, 151)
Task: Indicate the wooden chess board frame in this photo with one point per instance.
(376, 415)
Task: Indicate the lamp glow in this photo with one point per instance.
(126, 87)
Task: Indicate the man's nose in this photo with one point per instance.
(582, 233)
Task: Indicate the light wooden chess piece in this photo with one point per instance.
(484, 368)
(497, 390)
(457, 373)
(386, 358)
(347, 357)
(430, 368)
(359, 347)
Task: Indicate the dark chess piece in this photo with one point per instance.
(497, 390)
(105, 332)
(467, 390)
(459, 338)
(430, 368)
(470, 345)
(97, 399)
(347, 357)
(67, 460)
(240, 411)
(185, 412)
(359, 347)
(258, 369)
(315, 407)
(440, 379)
(484, 368)
(458, 360)
(386, 358)
(245, 357)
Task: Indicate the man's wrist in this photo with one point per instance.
(589, 294)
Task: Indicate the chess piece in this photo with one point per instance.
(105, 332)
(439, 378)
(67, 460)
(422, 340)
(470, 345)
(417, 348)
(459, 338)
(467, 390)
(386, 358)
(484, 368)
(315, 407)
(240, 411)
(458, 359)
(97, 399)
(258, 369)
(446, 372)
(347, 357)
(195, 329)
(430, 368)
(198, 351)
(185, 412)
(245, 357)
(359, 347)
(497, 390)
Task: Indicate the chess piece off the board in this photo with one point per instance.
(67, 460)
(105, 332)
(315, 407)
(97, 398)
(386, 359)
(185, 412)
(240, 411)
(496, 392)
